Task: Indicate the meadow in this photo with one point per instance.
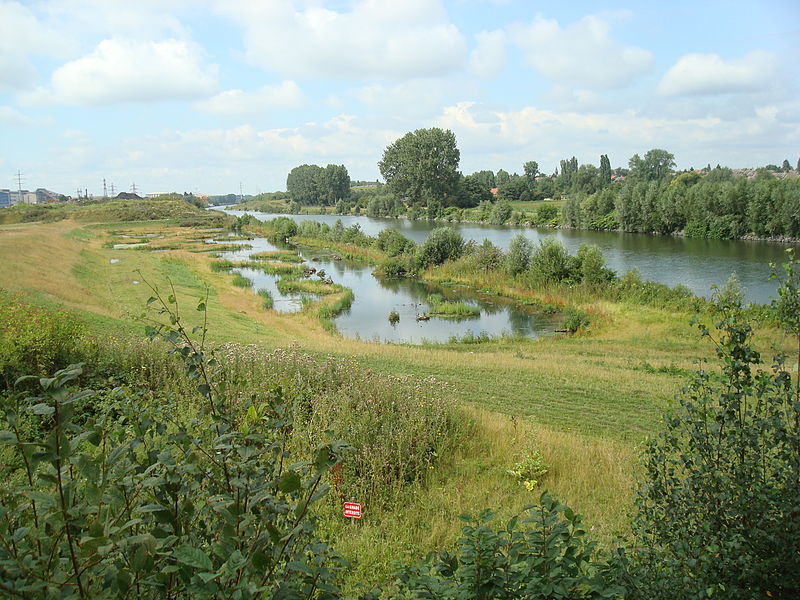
(583, 402)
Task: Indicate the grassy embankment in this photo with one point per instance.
(584, 402)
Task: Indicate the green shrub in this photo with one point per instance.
(718, 505)
(518, 257)
(549, 262)
(159, 497)
(542, 553)
(34, 340)
(394, 267)
(575, 319)
(443, 243)
(528, 470)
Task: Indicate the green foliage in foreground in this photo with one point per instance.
(156, 500)
(201, 486)
(33, 340)
(719, 509)
(544, 553)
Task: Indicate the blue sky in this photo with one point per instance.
(202, 95)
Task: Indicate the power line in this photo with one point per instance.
(105, 190)
(133, 187)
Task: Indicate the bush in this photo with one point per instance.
(549, 262)
(34, 340)
(485, 257)
(528, 471)
(575, 319)
(592, 265)
(543, 553)
(501, 212)
(443, 243)
(718, 512)
(284, 227)
(394, 267)
(518, 257)
(157, 499)
(393, 242)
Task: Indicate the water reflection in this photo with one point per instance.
(695, 263)
(375, 298)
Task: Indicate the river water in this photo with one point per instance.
(368, 317)
(696, 263)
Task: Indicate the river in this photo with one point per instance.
(696, 263)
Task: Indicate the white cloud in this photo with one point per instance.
(709, 74)
(413, 99)
(412, 38)
(233, 103)
(9, 116)
(142, 19)
(508, 138)
(119, 71)
(220, 158)
(583, 53)
(21, 35)
(489, 56)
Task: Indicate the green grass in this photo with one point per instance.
(454, 310)
(241, 281)
(279, 268)
(277, 255)
(267, 301)
(585, 401)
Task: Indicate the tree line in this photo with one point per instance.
(421, 170)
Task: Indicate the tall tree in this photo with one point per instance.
(531, 169)
(303, 184)
(312, 184)
(605, 170)
(423, 164)
(472, 191)
(485, 179)
(335, 184)
(502, 178)
(656, 164)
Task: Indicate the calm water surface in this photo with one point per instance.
(696, 263)
(368, 317)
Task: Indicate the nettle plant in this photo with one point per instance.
(160, 497)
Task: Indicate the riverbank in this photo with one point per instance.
(691, 262)
(519, 220)
(584, 402)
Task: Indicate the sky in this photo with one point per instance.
(214, 96)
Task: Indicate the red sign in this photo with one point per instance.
(352, 510)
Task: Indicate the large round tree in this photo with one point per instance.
(422, 164)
